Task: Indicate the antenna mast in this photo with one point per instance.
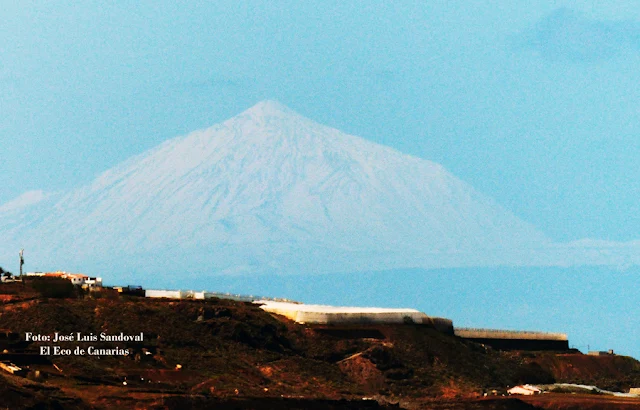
(21, 262)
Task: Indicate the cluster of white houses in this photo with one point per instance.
(78, 279)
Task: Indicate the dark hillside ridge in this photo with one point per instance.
(218, 352)
(523, 344)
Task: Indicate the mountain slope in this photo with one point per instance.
(270, 190)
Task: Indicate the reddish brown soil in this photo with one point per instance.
(582, 402)
(363, 372)
(223, 353)
(617, 373)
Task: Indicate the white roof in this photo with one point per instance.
(322, 314)
(526, 387)
(300, 307)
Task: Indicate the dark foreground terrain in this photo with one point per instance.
(232, 355)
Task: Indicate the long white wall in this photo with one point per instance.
(470, 333)
(320, 314)
(172, 294)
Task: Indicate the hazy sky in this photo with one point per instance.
(534, 103)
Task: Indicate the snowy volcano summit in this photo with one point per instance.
(267, 191)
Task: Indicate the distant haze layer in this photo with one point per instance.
(270, 191)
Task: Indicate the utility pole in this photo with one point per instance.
(21, 262)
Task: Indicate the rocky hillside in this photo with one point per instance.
(223, 351)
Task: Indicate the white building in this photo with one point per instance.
(91, 283)
(321, 314)
(160, 293)
(78, 279)
(525, 390)
(179, 294)
(6, 278)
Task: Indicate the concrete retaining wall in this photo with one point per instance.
(471, 333)
(515, 340)
(356, 318)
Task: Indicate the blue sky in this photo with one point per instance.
(533, 103)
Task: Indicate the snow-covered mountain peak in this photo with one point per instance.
(271, 190)
(270, 117)
(269, 108)
(272, 126)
